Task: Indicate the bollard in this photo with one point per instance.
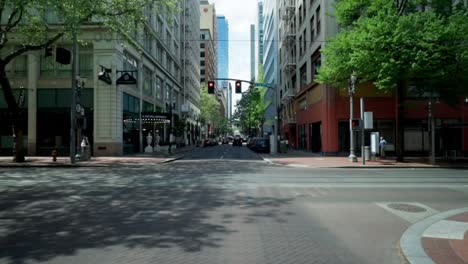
(54, 155)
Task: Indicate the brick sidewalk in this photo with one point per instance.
(136, 159)
(439, 239)
(449, 244)
(304, 159)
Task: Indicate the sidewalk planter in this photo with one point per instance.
(164, 149)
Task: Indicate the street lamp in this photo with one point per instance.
(351, 90)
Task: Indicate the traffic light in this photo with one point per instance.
(211, 87)
(48, 51)
(62, 56)
(238, 87)
(356, 124)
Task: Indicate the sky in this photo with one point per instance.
(240, 15)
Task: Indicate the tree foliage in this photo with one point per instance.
(31, 25)
(387, 42)
(210, 112)
(250, 109)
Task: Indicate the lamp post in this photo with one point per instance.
(351, 90)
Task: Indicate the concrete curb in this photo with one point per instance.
(410, 241)
(271, 162)
(172, 159)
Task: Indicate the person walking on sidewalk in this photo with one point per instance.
(382, 144)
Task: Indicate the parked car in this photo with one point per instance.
(225, 141)
(261, 145)
(237, 141)
(207, 143)
(251, 142)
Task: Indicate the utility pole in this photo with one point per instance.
(363, 144)
(432, 131)
(74, 107)
(351, 90)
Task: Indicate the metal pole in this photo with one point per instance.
(352, 156)
(276, 147)
(363, 145)
(73, 99)
(432, 128)
(172, 120)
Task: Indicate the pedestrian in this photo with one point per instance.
(382, 144)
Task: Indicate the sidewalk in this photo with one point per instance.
(135, 159)
(439, 239)
(296, 158)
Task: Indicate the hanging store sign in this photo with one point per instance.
(126, 78)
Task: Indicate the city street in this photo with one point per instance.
(219, 204)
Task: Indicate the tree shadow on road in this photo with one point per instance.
(148, 207)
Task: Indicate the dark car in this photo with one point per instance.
(261, 145)
(207, 143)
(225, 141)
(237, 141)
(251, 142)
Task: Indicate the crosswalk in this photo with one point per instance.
(283, 192)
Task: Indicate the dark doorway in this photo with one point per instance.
(315, 137)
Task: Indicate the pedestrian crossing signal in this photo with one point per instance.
(356, 124)
(211, 87)
(238, 87)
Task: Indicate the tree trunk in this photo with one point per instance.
(400, 129)
(13, 108)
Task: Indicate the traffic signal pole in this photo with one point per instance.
(268, 86)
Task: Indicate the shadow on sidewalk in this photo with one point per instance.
(132, 207)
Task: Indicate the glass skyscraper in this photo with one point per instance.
(223, 47)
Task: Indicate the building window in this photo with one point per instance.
(202, 63)
(202, 72)
(86, 64)
(303, 72)
(147, 81)
(300, 45)
(202, 45)
(202, 54)
(18, 67)
(304, 38)
(303, 104)
(159, 93)
(300, 15)
(316, 63)
(130, 62)
(312, 29)
(304, 10)
(317, 15)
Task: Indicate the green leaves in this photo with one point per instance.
(385, 46)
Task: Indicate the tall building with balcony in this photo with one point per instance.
(315, 117)
(209, 30)
(270, 60)
(112, 110)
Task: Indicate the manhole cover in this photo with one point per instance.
(407, 207)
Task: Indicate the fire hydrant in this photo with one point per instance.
(54, 155)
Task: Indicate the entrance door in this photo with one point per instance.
(316, 136)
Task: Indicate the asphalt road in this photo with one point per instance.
(218, 205)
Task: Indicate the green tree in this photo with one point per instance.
(394, 44)
(210, 110)
(24, 28)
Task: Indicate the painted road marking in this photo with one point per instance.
(297, 165)
(411, 217)
(447, 229)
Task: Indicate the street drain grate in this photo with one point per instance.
(407, 208)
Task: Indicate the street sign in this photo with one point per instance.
(262, 84)
(78, 108)
(21, 98)
(368, 120)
